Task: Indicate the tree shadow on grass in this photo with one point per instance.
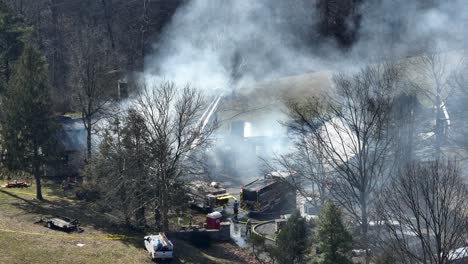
(87, 213)
(216, 253)
(90, 216)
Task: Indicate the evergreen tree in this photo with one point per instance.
(292, 241)
(27, 124)
(13, 34)
(334, 240)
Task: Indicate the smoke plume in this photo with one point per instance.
(216, 44)
(224, 45)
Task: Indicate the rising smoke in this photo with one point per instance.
(400, 28)
(224, 45)
(214, 44)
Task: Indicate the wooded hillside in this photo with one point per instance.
(126, 30)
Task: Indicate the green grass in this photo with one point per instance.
(23, 241)
(18, 212)
(16, 248)
(49, 190)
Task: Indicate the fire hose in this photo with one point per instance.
(254, 230)
(257, 224)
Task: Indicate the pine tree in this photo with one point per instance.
(334, 240)
(292, 241)
(13, 35)
(27, 124)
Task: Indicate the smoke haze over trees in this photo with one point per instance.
(238, 41)
(392, 109)
(428, 200)
(230, 41)
(146, 158)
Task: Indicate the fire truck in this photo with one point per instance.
(267, 193)
(207, 196)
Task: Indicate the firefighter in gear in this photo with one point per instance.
(248, 227)
(236, 209)
(223, 213)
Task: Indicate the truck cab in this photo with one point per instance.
(159, 247)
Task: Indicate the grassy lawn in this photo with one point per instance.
(23, 241)
(49, 190)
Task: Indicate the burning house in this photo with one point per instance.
(72, 143)
(252, 122)
(268, 194)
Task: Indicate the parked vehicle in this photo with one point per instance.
(265, 194)
(16, 184)
(159, 247)
(207, 196)
(61, 222)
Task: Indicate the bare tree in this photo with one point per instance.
(428, 201)
(116, 170)
(135, 139)
(107, 6)
(404, 119)
(431, 75)
(172, 117)
(351, 132)
(147, 153)
(309, 165)
(461, 75)
(91, 66)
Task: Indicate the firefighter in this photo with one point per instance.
(223, 212)
(190, 220)
(236, 209)
(248, 227)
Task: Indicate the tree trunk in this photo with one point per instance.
(125, 207)
(88, 139)
(38, 187)
(409, 153)
(165, 209)
(7, 70)
(37, 175)
(108, 18)
(438, 127)
(364, 226)
(157, 219)
(140, 216)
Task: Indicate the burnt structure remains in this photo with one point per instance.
(267, 194)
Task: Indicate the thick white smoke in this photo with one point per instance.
(400, 28)
(211, 44)
(222, 45)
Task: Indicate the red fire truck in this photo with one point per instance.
(265, 194)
